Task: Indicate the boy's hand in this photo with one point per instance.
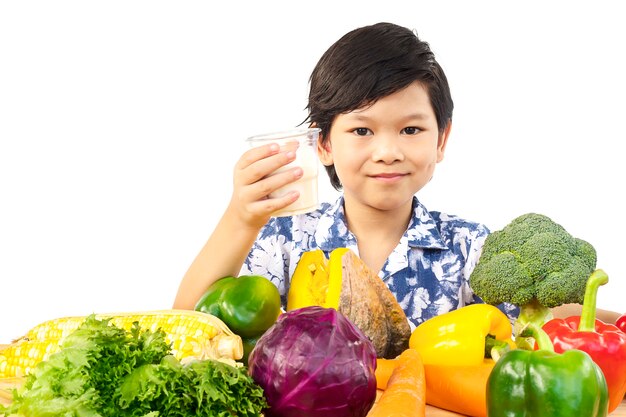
(252, 183)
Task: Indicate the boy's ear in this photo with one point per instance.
(324, 152)
(442, 142)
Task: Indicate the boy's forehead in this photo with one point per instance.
(414, 88)
(359, 115)
(412, 101)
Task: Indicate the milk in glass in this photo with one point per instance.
(306, 158)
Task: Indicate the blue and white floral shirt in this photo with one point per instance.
(428, 272)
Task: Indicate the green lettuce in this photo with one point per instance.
(102, 370)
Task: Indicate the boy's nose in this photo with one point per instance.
(386, 149)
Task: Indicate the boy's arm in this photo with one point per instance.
(222, 255)
(248, 211)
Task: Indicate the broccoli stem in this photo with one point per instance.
(588, 316)
(532, 312)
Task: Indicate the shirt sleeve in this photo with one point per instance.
(269, 254)
(473, 255)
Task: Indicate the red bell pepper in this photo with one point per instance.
(605, 343)
(621, 323)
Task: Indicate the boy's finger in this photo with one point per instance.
(258, 153)
(265, 167)
(270, 205)
(253, 155)
(261, 190)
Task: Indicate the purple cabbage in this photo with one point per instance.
(315, 362)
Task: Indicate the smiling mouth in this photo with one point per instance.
(389, 177)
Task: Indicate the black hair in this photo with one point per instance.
(367, 64)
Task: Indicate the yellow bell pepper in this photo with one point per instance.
(317, 280)
(462, 337)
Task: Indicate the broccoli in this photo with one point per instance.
(535, 264)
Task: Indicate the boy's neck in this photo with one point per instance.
(377, 232)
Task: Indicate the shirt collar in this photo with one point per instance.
(423, 230)
(332, 231)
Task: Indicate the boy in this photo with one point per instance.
(384, 108)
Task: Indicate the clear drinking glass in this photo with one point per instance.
(306, 158)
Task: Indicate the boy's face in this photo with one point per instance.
(385, 153)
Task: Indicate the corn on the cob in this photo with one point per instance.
(192, 335)
(7, 386)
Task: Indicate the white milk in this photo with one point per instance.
(306, 158)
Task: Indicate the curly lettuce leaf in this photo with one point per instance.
(199, 388)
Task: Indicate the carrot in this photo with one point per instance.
(462, 389)
(405, 392)
(384, 368)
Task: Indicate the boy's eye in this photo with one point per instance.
(412, 130)
(361, 131)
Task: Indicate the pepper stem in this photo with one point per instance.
(494, 348)
(541, 337)
(588, 316)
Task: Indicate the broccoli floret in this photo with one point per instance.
(535, 264)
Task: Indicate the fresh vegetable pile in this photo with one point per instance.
(344, 336)
(103, 370)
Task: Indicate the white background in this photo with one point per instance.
(120, 122)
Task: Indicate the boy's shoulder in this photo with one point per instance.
(453, 220)
(451, 224)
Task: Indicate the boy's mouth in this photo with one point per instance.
(389, 176)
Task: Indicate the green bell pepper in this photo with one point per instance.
(248, 346)
(543, 383)
(248, 305)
